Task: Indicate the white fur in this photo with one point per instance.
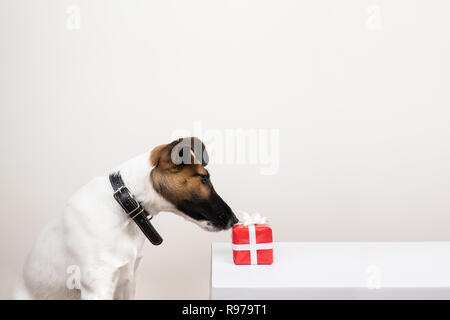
(94, 235)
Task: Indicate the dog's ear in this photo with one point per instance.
(178, 153)
(156, 154)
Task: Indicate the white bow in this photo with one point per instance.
(255, 218)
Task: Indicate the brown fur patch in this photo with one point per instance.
(177, 183)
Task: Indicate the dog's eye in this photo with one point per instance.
(204, 178)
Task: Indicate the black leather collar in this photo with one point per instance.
(133, 208)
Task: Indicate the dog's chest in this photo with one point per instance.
(126, 247)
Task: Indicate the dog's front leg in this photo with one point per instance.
(98, 284)
(126, 288)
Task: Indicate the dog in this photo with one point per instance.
(96, 236)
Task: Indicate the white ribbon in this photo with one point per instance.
(255, 218)
(252, 246)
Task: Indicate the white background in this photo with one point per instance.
(363, 110)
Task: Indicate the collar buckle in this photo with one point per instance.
(121, 188)
(137, 210)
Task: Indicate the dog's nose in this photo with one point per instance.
(234, 220)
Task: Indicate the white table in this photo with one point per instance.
(336, 270)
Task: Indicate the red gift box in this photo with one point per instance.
(252, 244)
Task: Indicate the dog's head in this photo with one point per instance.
(180, 177)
